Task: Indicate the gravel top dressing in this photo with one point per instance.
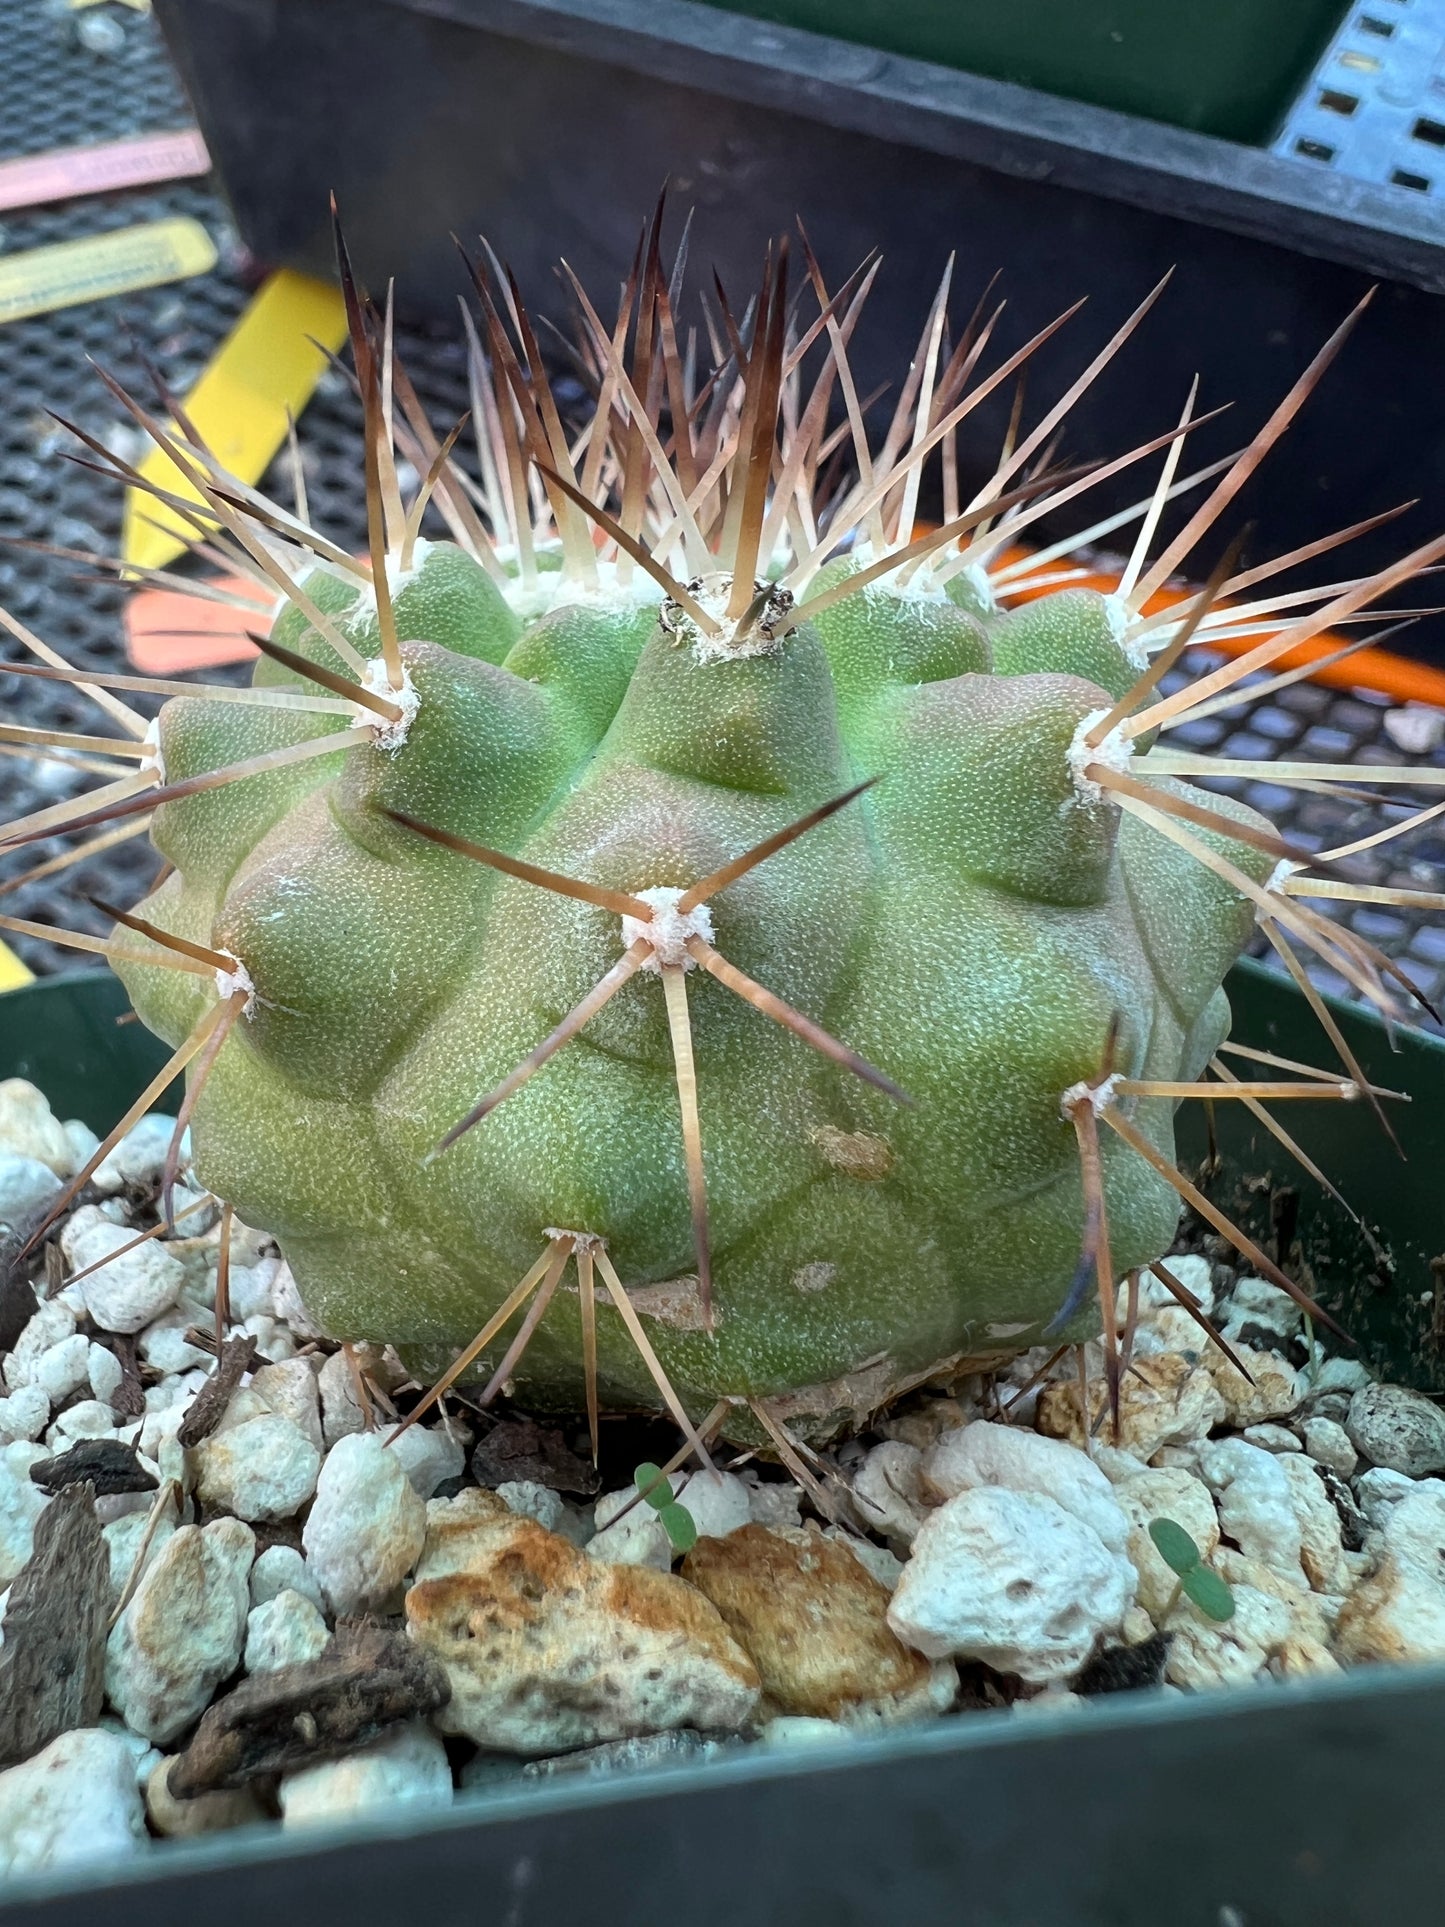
(238, 1592)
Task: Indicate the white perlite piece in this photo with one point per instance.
(205, 1813)
(285, 1631)
(667, 931)
(340, 1414)
(126, 1293)
(1014, 1580)
(1399, 1613)
(718, 1501)
(76, 1800)
(1256, 1508)
(140, 1156)
(264, 1469)
(982, 1454)
(24, 1415)
(429, 1455)
(26, 1187)
(282, 1569)
(1164, 1492)
(62, 1368)
(182, 1633)
(366, 1528)
(888, 1492)
(30, 1129)
(409, 1768)
(21, 1504)
(1328, 1444)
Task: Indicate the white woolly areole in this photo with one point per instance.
(228, 982)
(1095, 1097)
(364, 608)
(151, 743)
(669, 930)
(1274, 883)
(581, 1240)
(1119, 615)
(712, 593)
(389, 736)
(1115, 752)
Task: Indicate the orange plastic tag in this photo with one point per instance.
(168, 632)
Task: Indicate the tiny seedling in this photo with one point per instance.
(1198, 1582)
(676, 1521)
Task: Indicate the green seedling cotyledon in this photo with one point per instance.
(683, 937)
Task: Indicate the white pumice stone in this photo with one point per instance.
(1256, 1509)
(26, 1187)
(30, 1129)
(183, 1631)
(1329, 1444)
(283, 1569)
(624, 1537)
(126, 1293)
(24, 1414)
(340, 1413)
(264, 1469)
(982, 1454)
(123, 1538)
(88, 1418)
(1397, 1428)
(429, 1456)
(408, 1768)
(63, 1368)
(285, 1631)
(46, 1327)
(366, 1528)
(82, 1141)
(140, 1156)
(103, 1372)
(164, 1345)
(1013, 1579)
(75, 1801)
(21, 1504)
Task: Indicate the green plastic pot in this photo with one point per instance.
(1225, 67)
(69, 1035)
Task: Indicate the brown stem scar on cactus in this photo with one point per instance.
(673, 628)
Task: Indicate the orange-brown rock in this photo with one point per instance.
(546, 1649)
(815, 1622)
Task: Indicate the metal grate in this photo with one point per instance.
(1374, 108)
(54, 90)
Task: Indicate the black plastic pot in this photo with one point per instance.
(1308, 1805)
(551, 125)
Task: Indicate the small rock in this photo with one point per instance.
(24, 1415)
(815, 1625)
(532, 1501)
(1339, 1375)
(1322, 1552)
(1417, 728)
(123, 1542)
(21, 1504)
(76, 1800)
(772, 1503)
(1261, 1314)
(1205, 1653)
(1165, 1400)
(629, 1533)
(207, 1813)
(1379, 1491)
(983, 1454)
(283, 1569)
(183, 1631)
(1191, 1270)
(288, 1390)
(1399, 1429)
(88, 1418)
(1014, 1580)
(408, 1768)
(1399, 1613)
(889, 1494)
(253, 1289)
(30, 1129)
(135, 1287)
(49, 1325)
(429, 1456)
(1272, 1438)
(1164, 1493)
(1276, 1392)
(1256, 1502)
(140, 1156)
(922, 1424)
(26, 1187)
(286, 1631)
(264, 1469)
(878, 1561)
(82, 1141)
(104, 1374)
(286, 1300)
(546, 1649)
(718, 1501)
(164, 1345)
(1329, 1444)
(366, 1527)
(341, 1415)
(790, 1731)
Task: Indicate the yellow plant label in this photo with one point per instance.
(102, 265)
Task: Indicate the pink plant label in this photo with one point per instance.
(65, 172)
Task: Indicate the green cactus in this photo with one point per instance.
(809, 1205)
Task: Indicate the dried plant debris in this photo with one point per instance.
(52, 1662)
(105, 1465)
(521, 1449)
(367, 1681)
